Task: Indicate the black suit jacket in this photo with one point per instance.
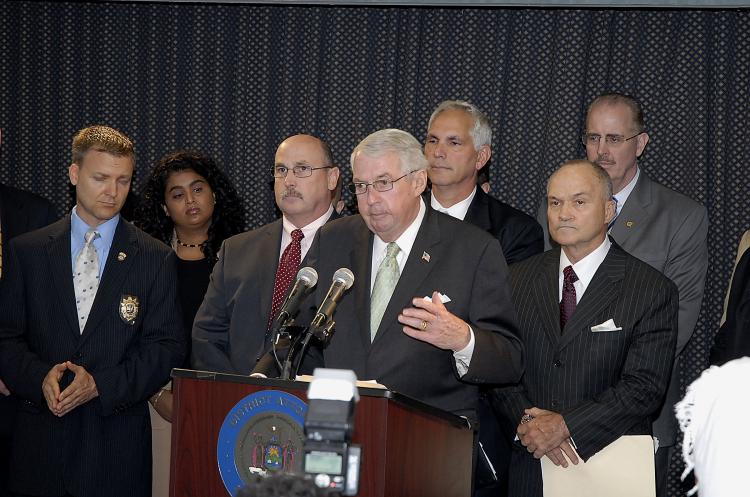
(102, 447)
(518, 233)
(448, 256)
(733, 339)
(230, 329)
(605, 384)
(20, 212)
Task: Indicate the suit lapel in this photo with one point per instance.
(61, 268)
(270, 241)
(546, 294)
(478, 213)
(109, 293)
(604, 289)
(634, 214)
(361, 263)
(415, 270)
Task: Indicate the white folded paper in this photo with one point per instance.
(624, 468)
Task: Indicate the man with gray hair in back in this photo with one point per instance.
(458, 146)
(429, 313)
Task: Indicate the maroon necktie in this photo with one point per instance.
(568, 302)
(288, 266)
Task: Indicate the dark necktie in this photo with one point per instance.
(288, 266)
(612, 222)
(568, 302)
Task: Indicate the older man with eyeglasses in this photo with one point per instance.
(662, 227)
(233, 326)
(429, 314)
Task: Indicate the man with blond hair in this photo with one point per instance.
(89, 330)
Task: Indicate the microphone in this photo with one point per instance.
(342, 280)
(307, 278)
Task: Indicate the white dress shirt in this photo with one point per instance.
(584, 269)
(622, 195)
(309, 232)
(457, 210)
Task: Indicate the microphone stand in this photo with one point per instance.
(286, 370)
(322, 333)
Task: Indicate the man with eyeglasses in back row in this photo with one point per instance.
(233, 326)
(663, 228)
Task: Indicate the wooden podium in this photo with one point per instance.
(409, 449)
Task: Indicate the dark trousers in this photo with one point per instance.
(493, 452)
(662, 459)
(7, 415)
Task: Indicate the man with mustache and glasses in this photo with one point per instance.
(255, 269)
(655, 224)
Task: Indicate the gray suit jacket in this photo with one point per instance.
(230, 331)
(605, 384)
(668, 231)
(230, 327)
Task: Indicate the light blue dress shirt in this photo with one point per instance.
(78, 229)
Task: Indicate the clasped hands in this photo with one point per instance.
(547, 435)
(81, 389)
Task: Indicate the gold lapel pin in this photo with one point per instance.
(425, 257)
(121, 256)
(629, 224)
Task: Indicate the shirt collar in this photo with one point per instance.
(309, 230)
(622, 195)
(406, 240)
(78, 229)
(586, 268)
(457, 210)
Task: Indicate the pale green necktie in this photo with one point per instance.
(385, 283)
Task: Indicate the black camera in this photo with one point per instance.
(330, 459)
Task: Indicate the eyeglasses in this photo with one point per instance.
(379, 185)
(301, 171)
(611, 140)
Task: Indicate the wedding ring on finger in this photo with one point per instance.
(423, 326)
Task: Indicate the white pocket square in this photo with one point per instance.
(443, 298)
(608, 325)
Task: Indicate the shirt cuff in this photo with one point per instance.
(463, 356)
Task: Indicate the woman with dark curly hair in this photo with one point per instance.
(189, 203)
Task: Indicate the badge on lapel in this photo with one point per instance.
(129, 306)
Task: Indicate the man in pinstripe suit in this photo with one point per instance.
(83, 374)
(599, 328)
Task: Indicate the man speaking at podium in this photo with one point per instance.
(429, 314)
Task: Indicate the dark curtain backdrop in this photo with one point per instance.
(234, 80)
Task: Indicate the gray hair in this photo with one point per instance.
(481, 132)
(601, 175)
(408, 149)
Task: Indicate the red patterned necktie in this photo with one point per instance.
(288, 266)
(568, 302)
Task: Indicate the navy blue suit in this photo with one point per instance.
(102, 447)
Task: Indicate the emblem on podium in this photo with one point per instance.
(263, 433)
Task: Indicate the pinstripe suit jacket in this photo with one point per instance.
(667, 230)
(102, 447)
(605, 384)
